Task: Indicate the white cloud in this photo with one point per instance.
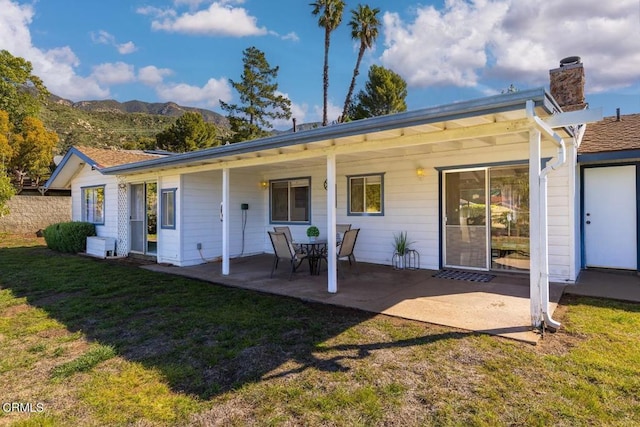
(517, 41)
(333, 112)
(298, 111)
(605, 35)
(152, 75)
(291, 36)
(114, 73)
(126, 48)
(103, 37)
(155, 11)
(207, 95)
(441, 47)
(14, 26)
(55, 66)
(220, 19)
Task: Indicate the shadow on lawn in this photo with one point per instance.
(205, 339)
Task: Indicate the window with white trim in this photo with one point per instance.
(168, 208)
(366, 194)
(290, 200)
(93, 204)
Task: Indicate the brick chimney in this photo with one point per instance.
(567, 84)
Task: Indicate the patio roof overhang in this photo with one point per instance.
(482, 122)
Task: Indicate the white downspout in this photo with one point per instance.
(543, 278)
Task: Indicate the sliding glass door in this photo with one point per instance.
(510, 218)
(486, 218)
(465, 219)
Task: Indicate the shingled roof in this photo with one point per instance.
(611, 134)
(107, 157)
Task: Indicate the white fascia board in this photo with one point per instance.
(573, 118)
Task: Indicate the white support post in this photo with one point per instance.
(224, 210)
(332, 261)
(534, 227)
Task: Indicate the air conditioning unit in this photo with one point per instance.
(101, 247)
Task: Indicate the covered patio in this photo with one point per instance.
(499, 307)
(410, 172)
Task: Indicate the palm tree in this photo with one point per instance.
(364, 27)
(330, 16)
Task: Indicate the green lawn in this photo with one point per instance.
(90, 342)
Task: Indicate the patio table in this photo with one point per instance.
(316, 251)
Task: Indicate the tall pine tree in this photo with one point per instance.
(259, 101)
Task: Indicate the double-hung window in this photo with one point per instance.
(290, 200)
(168, 208)
(366, 194)
(93, 204)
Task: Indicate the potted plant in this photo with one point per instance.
(312, 233)
(401, 244)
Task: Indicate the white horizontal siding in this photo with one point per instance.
(246, 189)
(561, 203)
(202, 198)
(169, 240)
(201, 217)
(90, 178)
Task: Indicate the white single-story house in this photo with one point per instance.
(487, 184)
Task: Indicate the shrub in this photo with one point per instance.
(70, 237)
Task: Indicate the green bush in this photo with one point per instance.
(70, 237)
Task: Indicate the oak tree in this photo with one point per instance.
(21, 92)
(32, 149)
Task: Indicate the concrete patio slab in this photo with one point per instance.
(607, 283)
(500, 307)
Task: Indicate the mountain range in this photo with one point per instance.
(170, 109)
(109, 123)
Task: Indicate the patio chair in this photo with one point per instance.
(341, 229)
(283, 249)
(345, 250)
(287, 232)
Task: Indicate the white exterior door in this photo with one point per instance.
(610, 217)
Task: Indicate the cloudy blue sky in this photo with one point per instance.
(187, 50)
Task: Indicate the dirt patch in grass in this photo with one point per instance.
(561, 342)
(14, 310)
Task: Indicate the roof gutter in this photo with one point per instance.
(543, 278)
(493, 104)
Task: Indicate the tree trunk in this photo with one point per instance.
(352, 86)
(325, 77)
